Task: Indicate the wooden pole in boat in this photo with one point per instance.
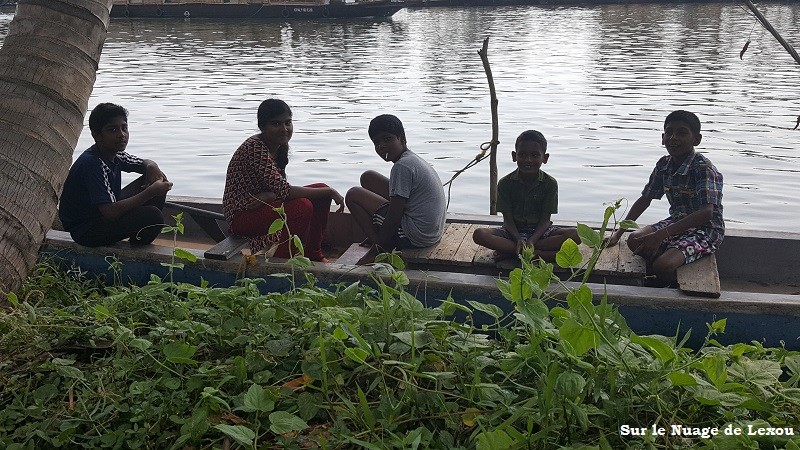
(483, 52)
(772, 30)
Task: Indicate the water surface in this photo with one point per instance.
(597, 81)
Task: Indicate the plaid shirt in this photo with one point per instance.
(694, 184)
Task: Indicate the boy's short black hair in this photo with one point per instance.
(689, 118)
(103, 113)
(270, 108)
(531, 136)
(386, 123)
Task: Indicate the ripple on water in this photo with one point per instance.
(597, 81)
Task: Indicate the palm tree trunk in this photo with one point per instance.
(48, 65)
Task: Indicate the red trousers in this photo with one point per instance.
(305, 218)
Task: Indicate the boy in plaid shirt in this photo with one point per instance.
(693, 186)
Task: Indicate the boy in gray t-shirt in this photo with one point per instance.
(405, 210)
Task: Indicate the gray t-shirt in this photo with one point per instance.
(414, 179)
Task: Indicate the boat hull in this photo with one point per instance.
(256, 11)
(768, 259)
(770, 319)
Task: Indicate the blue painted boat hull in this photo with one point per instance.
(770, 319)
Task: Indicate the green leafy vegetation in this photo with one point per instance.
(366, 365)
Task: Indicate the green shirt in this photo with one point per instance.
(527, 203)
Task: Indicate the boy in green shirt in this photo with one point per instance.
(527, 197)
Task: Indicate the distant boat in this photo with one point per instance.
(462, 3)
(255, 9)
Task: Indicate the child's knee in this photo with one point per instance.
(370, 177)
(635, 238)
(572, 233)
(299, 209)
(352, 196)
(151, 215)
(480, 234)
(633, 242)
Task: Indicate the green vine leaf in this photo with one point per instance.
(239, 433)
(493, 310)
(257, 399)
(184, 254)
(661, 350)
(581, 338)
(276, 226)
(282, 422)
(589, 236)
(180, 353)
(569, 255)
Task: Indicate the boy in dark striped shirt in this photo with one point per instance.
(94, 207)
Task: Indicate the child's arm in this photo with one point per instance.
(388, 233)
(511, 227)
(315, 192)
(115, 210)
(260, 199)
(639, 206)
(152, 172)
(541, 227)
(385, 241)
(652, 241)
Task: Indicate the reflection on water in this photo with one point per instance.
(597, 81)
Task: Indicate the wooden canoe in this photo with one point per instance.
(759, 295)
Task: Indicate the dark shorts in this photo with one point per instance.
(377, 223)
(524, 234)
(694, 243)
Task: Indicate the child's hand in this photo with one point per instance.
(158, 188)
(338, 199)
(614, 239)
(152, 174)
(650, 244)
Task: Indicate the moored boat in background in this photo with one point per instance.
(543, 3)
(255, 9)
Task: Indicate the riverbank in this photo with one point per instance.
(177, 366)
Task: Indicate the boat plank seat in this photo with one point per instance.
(700, 277)
(469, 250)
(227, 248)
(618, 261)
(352, 254)
(457, 248)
